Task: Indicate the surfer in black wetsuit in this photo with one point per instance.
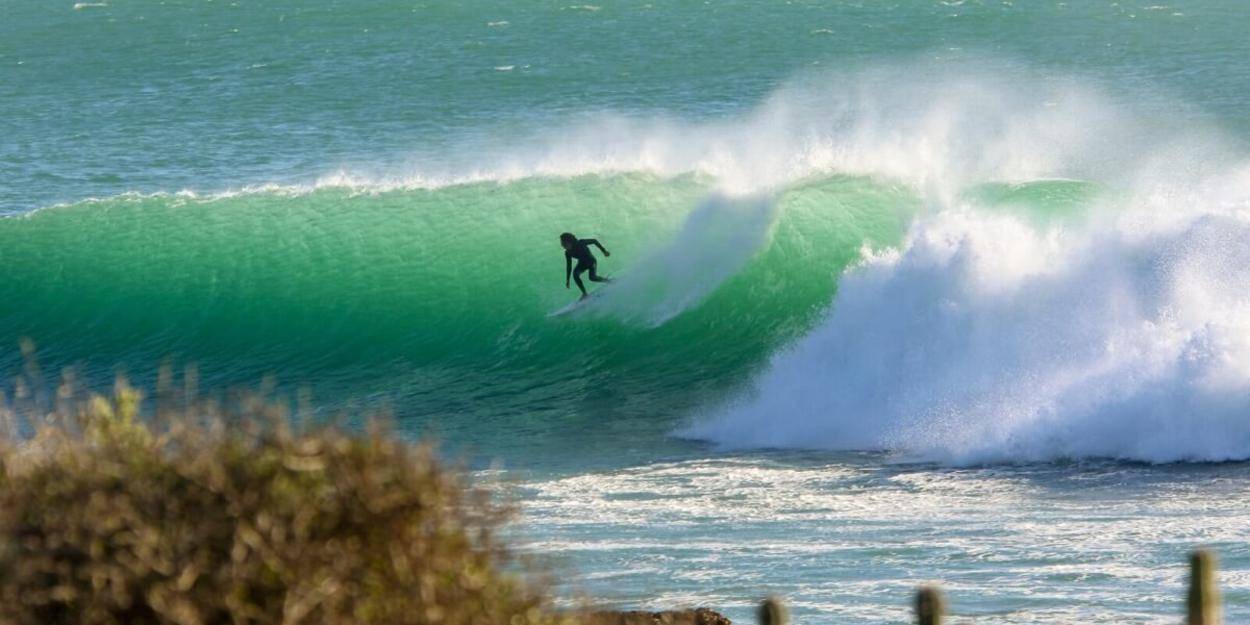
(575, 248)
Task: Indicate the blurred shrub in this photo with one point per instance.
(202, 515)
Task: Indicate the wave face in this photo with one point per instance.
(438, 299)
(951, 264)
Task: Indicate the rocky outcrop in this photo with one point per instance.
(699, 616)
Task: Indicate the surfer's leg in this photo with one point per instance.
(595, 277)
(577, 277)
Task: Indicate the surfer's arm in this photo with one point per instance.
(568, 269)
(596, 243)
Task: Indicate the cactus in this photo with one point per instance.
(773, 612)
(1204, 595)
(929, 606)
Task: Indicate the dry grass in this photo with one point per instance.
(198, 514)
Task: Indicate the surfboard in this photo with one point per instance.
(576, 304)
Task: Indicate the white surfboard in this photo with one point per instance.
(576, 304)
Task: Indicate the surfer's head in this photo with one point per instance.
(567, 240)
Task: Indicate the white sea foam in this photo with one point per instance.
(988, 338)
(842, 537)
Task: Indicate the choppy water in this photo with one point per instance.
(847, 539)
(970, 270)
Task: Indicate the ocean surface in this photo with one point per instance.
(906, 292)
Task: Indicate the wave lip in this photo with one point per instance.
(935, 128)
(987, 339)
(973, 124)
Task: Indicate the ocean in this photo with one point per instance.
(905, 292)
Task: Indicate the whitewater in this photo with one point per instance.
(1012, 337)
(920, 292)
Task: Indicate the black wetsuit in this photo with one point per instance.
(585, 262)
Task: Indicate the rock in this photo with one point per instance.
(699, 616)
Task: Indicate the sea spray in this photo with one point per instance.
(936, 127)
(715, 242)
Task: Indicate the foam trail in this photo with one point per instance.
(987, 339)
(716, 241)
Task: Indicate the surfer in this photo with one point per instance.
(575, 248)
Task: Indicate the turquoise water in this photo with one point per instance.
(906, 291)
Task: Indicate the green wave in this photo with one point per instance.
(436, 300)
